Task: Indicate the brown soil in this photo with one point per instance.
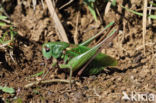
(135, 72)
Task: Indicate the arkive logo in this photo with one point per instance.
(135, 96)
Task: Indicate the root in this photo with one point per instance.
(47, 82)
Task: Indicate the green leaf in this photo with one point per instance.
(114, 2)
(2, 17)
(1, 87)
(18, 100)
(87, 1)
(91, 0)
(7, 89)
(1, 41)
(152, 16)
(2, 24)
(92, 10)
(38, 74)
(154, 4)
(12, 33)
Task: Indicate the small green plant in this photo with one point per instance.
(7, 89)
(138, 13)
(7, 42)
(114, 2)
(7, 38)
(7, 34)
(36, 75)
(90, 4)
(2, 18)
(18, 100)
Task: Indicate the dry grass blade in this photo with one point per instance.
(76, 30)
(42, 4)
(144, 23)
(58, 25)
(34, 4)
(108, 7)
(66, 4)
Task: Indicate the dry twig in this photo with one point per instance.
(46, 82)
(58, 25)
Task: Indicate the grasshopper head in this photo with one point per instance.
(47, 51)
(53, 49)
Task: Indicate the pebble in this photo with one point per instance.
(49, 93)
(132, 77)
(78, 96)
(92, 78)
(42, 64)
(66, 96)
(119, 79)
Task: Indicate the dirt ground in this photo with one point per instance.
(135, 73)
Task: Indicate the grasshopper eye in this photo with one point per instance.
(47, 49)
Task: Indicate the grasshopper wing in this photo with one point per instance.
(99, 63)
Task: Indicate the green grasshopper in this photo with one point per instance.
(73, 57)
